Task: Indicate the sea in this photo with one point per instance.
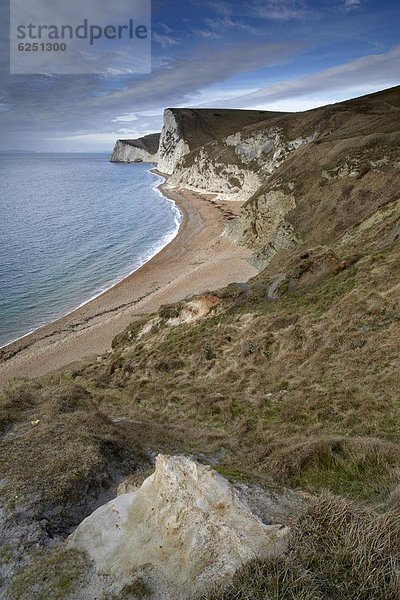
(71, 227)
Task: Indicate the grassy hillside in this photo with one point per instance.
(323, 188)
(289, 381)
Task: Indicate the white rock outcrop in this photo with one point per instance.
(183, 530)
(144, 149)
(186, 129)
(172, 144)
(236, 166)
(212, 175)
(124, 152)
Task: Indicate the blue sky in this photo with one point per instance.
(267, 54)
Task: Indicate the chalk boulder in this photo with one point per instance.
(184, 529)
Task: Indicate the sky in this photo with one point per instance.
(289, 55)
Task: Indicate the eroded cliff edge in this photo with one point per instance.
(186, 129)
(144, 149)
(296, 173)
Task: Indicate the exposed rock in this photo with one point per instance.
(272, 292)
(262, 226)
(334, 159)
(186, 129)
(194, 309)
(234, 167)
(271, 505)
(172, 144)
(143, 149)
(183, 530)
(61, 458)
(203, 172)
(320, 171)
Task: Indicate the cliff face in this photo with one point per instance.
(342, 175)
(288, 382)
(185, 130)
(143, 149)
(234, 167)
(295, 172)
(172, 144)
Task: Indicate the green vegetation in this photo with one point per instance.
(291, 380)
(336, 551)
(51, 576)
(136, 590)
(58, 449)
(302, 391)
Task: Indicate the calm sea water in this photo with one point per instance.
(71, 226)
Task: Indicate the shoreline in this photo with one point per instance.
(159, 249)
(197, 259)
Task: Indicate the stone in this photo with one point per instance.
(182, 531)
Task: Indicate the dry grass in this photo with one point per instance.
(305, 389)
(51, 576)
(337, 551)
(59, 452)
(302, 390)
(362, 468)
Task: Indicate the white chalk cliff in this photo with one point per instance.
(236, 166)
(172, 145)
(234, 155)
(143, 149)
(183, 530)
(186, 129)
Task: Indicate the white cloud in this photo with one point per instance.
(93, 138)
(92, 141)
(230, 17)
(280, 10)
(358, 77)
(274, 10)
(128, 118)
(185, 76)
(210, 34)
(224, 23)
(352, 4)
(165, 41)
(209, 97)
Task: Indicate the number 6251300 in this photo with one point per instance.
(42, 47)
